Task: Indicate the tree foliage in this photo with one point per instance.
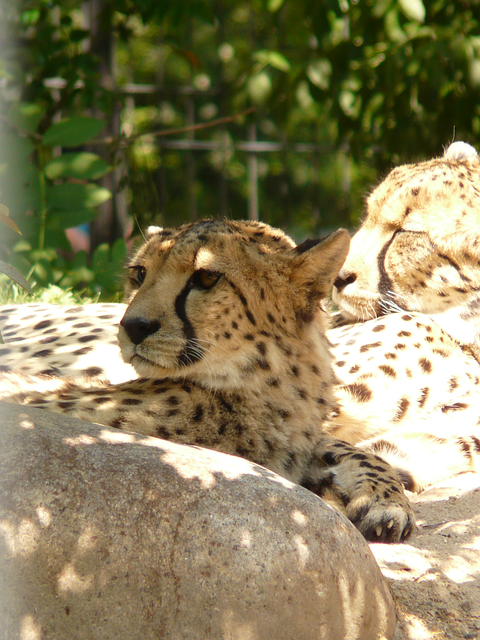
(369, 84)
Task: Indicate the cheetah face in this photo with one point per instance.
(200, 297)
(418, 248)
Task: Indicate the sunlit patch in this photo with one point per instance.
(44, 516)
(299, 517)
(246, 539)
(21, 540)
(353, 598)
(70, 580)
(30, 629)
(26, 423)
(302, 549)
(416, 629)
(117, 437)
(80, 440)
(87, 539)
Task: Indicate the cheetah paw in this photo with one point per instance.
(381, 520)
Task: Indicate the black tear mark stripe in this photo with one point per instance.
(243, 300)
(192, 352)
(385, 284)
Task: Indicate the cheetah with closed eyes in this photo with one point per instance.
(224, 326)
(412, 279)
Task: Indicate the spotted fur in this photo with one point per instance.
(414, 265)
(224, 328)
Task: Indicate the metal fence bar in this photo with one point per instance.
(252, 164)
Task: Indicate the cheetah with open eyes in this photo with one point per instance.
(413, 267)
(224, 327)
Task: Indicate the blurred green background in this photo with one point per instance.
(118, 115)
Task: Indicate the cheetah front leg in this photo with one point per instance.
(364, 487)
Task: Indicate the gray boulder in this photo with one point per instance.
(111, 535)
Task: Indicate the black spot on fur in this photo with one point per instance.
(457, 406)
(250, 317)
(273, 382)
(367, 347)
(83, 351)
(379, 327)
(65, 405)
(93, 371)
(261, 347)
(87, 338)
(359, 391)
(42, 325)
(423, 396)
(425, 365)
(131, 401)
(198, 413)
(43, 354)
(388, 371)
(402, 409)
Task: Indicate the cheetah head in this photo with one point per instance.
(418, 248)
(204, 298)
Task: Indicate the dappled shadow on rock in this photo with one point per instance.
(106, 534)
(435, 578)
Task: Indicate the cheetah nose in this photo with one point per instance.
(139, 328)
(344, 279)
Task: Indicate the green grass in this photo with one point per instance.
(11, 293)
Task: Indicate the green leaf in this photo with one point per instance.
(319, 73)
(101, 257)
(72, 132)
(273, 58)
(413, 9)
(4, 217)
(14, 275)
(259, 87)
(119, 252)
(83, 166)
(60, 220)
(71, 196)
(274, 5)
(30, 17)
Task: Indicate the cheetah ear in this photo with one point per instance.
(315, 265)
(153, 230)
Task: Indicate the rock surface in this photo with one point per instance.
(435, 576)
(105, 534)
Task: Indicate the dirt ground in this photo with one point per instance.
(435, 577)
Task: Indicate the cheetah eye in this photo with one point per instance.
(206, 279)
(138, 273)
